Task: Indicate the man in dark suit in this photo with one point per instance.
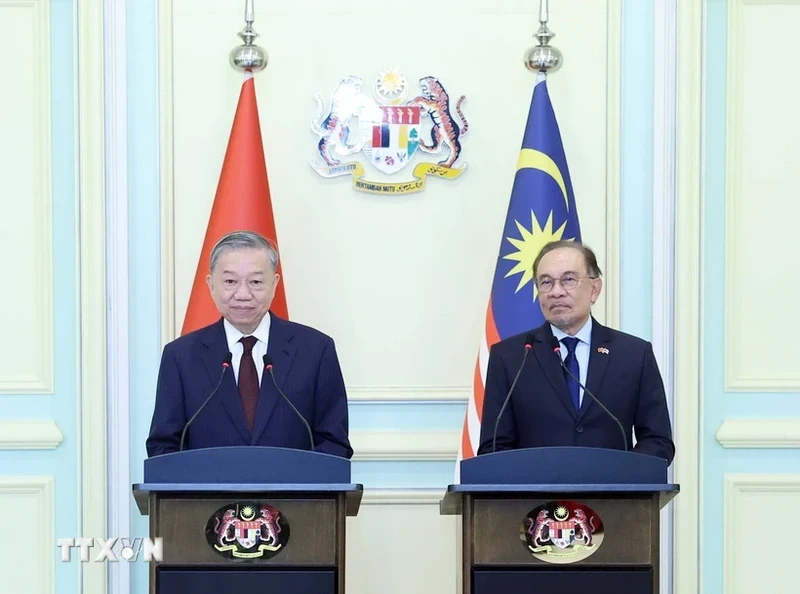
(247, 409)
(548, 407)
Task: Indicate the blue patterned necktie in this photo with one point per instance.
(571, 363)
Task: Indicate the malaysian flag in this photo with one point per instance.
(541, 209)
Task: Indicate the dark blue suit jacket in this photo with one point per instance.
(540, 413)
(306, 369)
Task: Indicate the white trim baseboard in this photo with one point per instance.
(405, 445)
(427, 394)
(402, 497)
(759, 433)
(29, 434)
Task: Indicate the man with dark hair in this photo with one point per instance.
(247, 409)
(548, 406)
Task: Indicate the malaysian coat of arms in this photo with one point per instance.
(247, 530)
(389, 131)
(562, 532)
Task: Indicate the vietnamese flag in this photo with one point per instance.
(242, 203)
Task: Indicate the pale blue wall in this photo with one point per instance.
(144, 221)
(61, 406)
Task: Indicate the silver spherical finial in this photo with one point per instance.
(249, 56)
(543, 57)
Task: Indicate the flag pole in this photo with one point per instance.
(248, 57)
(543, 58)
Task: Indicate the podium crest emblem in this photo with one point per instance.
(562, 532)
(247, 530)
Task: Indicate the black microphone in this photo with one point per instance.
(528, 346)
(268, 367)
(557, 350)
(226, 363)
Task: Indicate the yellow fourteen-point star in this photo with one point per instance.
(528, 247)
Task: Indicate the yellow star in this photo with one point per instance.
(528, 247)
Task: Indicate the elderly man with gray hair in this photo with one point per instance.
(306, 397)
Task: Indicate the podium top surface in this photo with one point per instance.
(569, 471)
(236, 471)
(452, 503)
(352, 492)
(247, 464)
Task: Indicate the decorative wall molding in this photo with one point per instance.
(741, 373)
(759, 433)
(29, 434)
(426, 394)
(117, 238)
(688, 299)
(663, 324)
(770, 2)
(166, 169)
(41, 577)
(405, 445)
(738, 565)
(612, 281)
(402, 497)
(36, 376)
(91, 338)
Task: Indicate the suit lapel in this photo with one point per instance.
(552, 368)
(282, 350)
(215, 347)
(599, 356)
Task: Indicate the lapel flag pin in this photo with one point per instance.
(603, 350)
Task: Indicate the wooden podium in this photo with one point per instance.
(560, 520)
(248, 519)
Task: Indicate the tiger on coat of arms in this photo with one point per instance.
(346, 101)
(445, 130)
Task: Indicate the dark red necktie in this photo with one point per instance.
(248, 380)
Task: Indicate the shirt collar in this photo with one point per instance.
(584, 334)
(261, 332)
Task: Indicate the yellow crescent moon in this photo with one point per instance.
(533, 159)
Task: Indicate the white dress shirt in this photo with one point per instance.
(237, 348)
(584, 337)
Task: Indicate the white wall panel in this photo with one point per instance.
(28, 554)
(399, 543)
(759, 555)
(26, 304)
(762, 205)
